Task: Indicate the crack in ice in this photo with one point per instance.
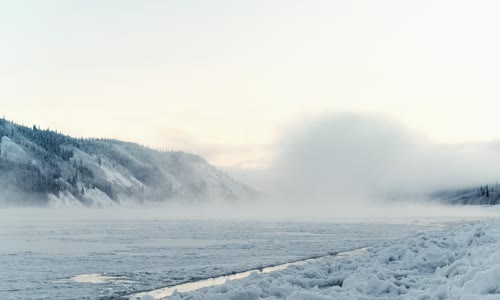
(196, 285)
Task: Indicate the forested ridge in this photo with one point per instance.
(38, 166)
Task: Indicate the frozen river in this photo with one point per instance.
(95, 258)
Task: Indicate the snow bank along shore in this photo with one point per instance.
(459, 262)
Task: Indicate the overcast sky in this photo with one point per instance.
(226, 78)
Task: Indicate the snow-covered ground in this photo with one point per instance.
(110, 253)
(459, 262)
(114, 253)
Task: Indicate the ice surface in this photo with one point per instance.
(38, 257)
(97, 278)
(196, 285)
(461, 262)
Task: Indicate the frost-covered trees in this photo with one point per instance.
(42, 161)
(484, 191)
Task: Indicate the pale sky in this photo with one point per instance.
(225, 78)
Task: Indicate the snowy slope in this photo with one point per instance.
(483, 195)
(461, 262)
(43, 167)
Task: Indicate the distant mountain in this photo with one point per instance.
(43, 167)
(484, 195)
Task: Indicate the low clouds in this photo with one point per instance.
(342, 158)
(356, 156)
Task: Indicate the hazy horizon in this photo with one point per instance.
(358, 97)
(226, 79)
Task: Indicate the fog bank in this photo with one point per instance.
(273, 212)
(355, 157)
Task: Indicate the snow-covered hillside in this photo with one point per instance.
(43, 167)
(483, 195)
(460, 262)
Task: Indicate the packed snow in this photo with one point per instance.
(460, 262)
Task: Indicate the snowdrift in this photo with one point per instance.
(459, 262)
